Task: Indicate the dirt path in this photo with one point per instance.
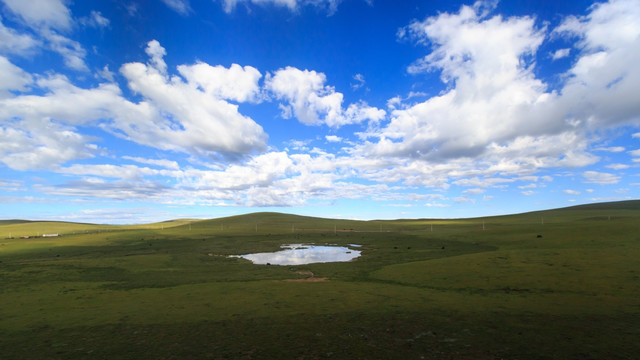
(310, 277)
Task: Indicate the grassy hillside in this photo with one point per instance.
(557, 284)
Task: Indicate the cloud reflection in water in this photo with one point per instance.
(297, 254)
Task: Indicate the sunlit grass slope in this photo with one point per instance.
(557, 284)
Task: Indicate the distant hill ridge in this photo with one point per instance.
(261, 217)
(615, 205)
(13, 221)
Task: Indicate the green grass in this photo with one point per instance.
(558, 284)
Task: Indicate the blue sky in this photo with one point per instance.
(138, 111)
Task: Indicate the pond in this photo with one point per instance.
(299, 254)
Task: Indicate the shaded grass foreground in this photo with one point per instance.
(496, 288)
(382, 335)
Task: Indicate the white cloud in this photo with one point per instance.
(128, 172)
(595, 177)
(197, 121)
(528, 186)
(463, 199)
(314, 103)
(11, 185)
(235, 83)
(492, 87)
(270, 179)
(260, 170)
(14, 43)
(12, 78)
(617, 166)
(635, 153)
(156, 52)
(495, 116)
(106, 74)
(330, 5)
(560, 53)
(605, 76)
(613, 149)
(42, 13)
(571, 192)
(164, 163)
(172, 115)
(95, 19)
(333, 138)
(50, 18)
(182, 7)
(72, 52)
(359, 81)
(115, 190)
(475, 191)
(437, 205)
(41, 144)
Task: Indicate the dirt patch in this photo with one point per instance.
(310, 277)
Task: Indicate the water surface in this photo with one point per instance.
(299, 254)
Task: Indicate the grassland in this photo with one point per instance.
(557, 284)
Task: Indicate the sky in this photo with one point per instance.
(137, 111)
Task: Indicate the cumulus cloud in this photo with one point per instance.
(312, 102)
(235, 83)
(172, 115)
(198, 122)
(605, 77)
(156, 53)
(483, 61)
(495, 116)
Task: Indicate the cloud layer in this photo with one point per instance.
(199, 135)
